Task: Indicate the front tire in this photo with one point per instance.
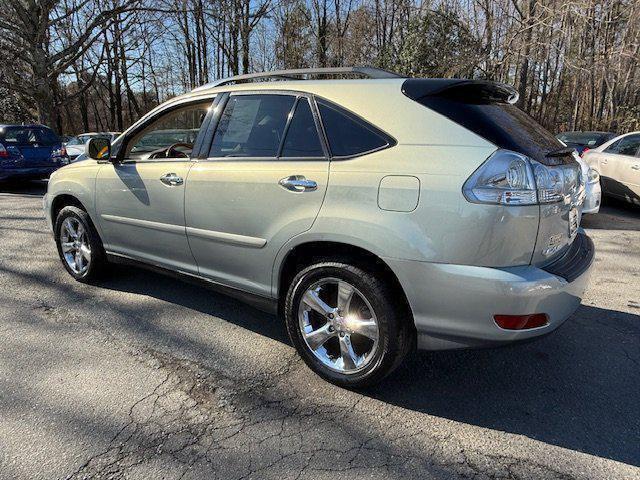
(79, 245)
(347, 324)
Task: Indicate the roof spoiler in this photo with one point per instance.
(466, 91)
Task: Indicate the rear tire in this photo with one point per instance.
(353, 348)
(79, 245)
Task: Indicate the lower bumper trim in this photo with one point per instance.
(575, 261)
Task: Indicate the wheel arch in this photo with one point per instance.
(64, 200)
(306, 253)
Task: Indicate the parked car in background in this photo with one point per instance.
(76, 145)
(30, 152)
(579, 141)
(584, 141)
(593, 190)
(375, 215)
(618, 163)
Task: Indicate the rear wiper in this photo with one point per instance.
(561, 152)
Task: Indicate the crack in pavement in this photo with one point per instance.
(198, 422)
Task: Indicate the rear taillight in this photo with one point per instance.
(521, 322)
(586, 149)
(3, 152)
(510, 178)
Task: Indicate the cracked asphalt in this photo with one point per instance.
(144, 376)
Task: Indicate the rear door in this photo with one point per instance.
(262, 182)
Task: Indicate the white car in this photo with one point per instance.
(593, 191)
(618, 164)
(76, 146)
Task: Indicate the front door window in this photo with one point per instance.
(170, 136)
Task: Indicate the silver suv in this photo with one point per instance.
(375, 214)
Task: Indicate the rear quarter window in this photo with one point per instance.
(349, 135)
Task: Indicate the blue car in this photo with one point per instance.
(30, 152)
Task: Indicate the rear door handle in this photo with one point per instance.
(636, 167)
(171, 179)
(604, 161)
(298, 183)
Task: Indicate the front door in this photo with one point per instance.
(630, 173)
(263, 183)
(140, 200)
(616, 164)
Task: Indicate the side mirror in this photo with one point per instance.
(99, 148)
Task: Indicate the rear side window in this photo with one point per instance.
(252, 126)
(625, 146)
(349, 135)
(302, 135)
(26, 136)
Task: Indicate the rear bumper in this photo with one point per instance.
(453, 305)
(32, 172)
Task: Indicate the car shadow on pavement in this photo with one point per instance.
(577, 388)
(194, 296)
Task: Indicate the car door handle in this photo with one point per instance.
(604, 161)
(171, 179)
(298, 183)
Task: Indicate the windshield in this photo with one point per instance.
(30, 136)
(587, 139)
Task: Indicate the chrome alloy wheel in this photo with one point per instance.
(75, 245)
(338, 325)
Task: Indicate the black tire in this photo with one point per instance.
(98, 263)
(395, 337)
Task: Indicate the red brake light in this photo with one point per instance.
(521, 322)
(3, 152)
(586, 149)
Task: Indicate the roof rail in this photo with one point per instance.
(370, 72)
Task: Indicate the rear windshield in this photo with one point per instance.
(585, 139)
(499, 122)
(30, 136)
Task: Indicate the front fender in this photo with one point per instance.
(78, 181)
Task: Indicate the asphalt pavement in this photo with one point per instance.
(144, 376)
